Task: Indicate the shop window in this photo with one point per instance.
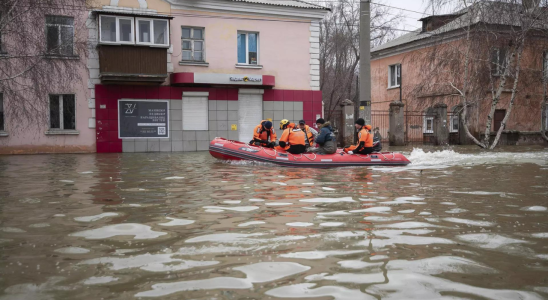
(195, 111)
(62, 112)
(193, 44)
(248, 48)
(59, 35)
(152, 32)
(2, 128)
(394, 76)
(118, 30)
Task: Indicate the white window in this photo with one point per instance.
(62, 112)
(152, 32)
(428, 125)
(394, 76)
(546, 118)
(59, 35)
(248, 48)
(545, 63)
(2, 50)
(193, 44)
(195, 111)
(2, 128)
(498, 61)
(116, 30)
(454, 120)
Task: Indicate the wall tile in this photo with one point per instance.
(298, 96)
(298, 115)
(268, 105)
(153, 146)
(177, 146)
(176, 125)
(202, 135)
(212, 115)
(141, 146)
(220, 94)
(232, 105)
(232, 94)
(268, 115)
(153, 92)
(288, 95)
(212, 104)
(279, 105)
(115, 147)
(222, 125)
(307, 115)
(176, 104)
(222, 133)
(165, 146)
(175, 114)
(234, 135)
(212, 125)
(289, 115)
(307, 96)
(189, 146)
(189, 135)
(202, 145)
(288, 105)
(297, 106)
(278, 115)
(176, 135)
(233, 115)
(222, 105)
(222, 115)
(212, 133)
(164, 92)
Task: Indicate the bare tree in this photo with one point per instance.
(43, 51)
(493, 55)
(340, 49)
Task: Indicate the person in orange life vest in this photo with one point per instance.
(292, 139)
(264, 135)
(365, 139)
(309, 132)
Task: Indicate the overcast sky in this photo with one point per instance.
(410, 21)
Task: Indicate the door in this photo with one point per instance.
(499, 116)
(250, 113)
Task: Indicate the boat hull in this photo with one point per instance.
(233, 150)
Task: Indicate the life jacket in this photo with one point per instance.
(366, 137)
(261, 133)
(309, 135)
(291, 137)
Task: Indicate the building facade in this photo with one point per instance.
(171, 75)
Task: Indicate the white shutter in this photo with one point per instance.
(195, 113)
(250, 114)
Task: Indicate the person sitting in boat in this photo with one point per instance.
(292, 139)
(365, 139)
(326, 139)
(310, 133)
(264, 135)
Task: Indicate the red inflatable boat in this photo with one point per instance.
(233, 150)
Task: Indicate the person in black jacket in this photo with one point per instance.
(326, 139)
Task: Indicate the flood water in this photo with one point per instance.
(455, 224)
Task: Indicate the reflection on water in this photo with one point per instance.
(451, 225)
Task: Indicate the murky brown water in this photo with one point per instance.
(185, 226)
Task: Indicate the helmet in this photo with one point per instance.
(284, 123)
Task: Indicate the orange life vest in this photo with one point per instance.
(292, 136)
(260, 133)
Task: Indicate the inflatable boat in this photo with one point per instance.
(234, 150)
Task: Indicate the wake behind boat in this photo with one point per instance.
(233, 150)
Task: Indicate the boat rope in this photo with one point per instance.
(383, 156)
(264, 150)
(360, 156)
(311, 158)
(294, 156)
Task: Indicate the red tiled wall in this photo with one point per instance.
(106, 103)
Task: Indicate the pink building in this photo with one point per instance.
(170, 75)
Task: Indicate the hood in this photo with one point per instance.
(326, 125)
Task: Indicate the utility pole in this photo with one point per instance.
(365, 60)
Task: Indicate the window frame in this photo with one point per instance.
(398, 72)
(425, 125)
(151, 22)
(61, 120)
(501, 66)
(59, 39)
(544, 64)
(247, 48)
(2, 114)
(2, 50)
(117, 24)
(192, 40)
(189, 96)
(454, 117)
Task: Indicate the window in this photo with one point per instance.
(428, 125)
(62, 114)
(60, 35)
(2, 50)
(193, 44)
(152, 32)
(2, 112)
(454, 119)
(394, 76)
(544, 63)
(115, 29)
(498, 61)
(195, 111)
(248, 48)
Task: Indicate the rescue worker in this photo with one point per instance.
(264, 135)
(365, 139)
(326, 139)
(310, 133)
(292, 139)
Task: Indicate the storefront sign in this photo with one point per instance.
(143, 119)
(218, 78)
(246, 79)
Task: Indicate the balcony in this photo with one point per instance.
(132, 64)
